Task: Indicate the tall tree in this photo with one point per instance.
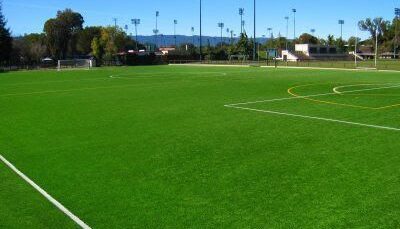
(29, 49)
(85, 39)
(61, 33)
(5, 39)
(306, 38)
(330, 40)
(375, 26)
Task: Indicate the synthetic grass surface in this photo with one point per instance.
(155, 147)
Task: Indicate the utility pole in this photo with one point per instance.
(175, 23)
(254, 41)
(294, 23)
(115, 20)
(287, 32)
(136, 22)
(241, 13)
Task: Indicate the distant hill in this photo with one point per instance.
(168, 40)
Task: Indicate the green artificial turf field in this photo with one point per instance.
(196, 147)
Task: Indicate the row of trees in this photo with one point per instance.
(63, 37)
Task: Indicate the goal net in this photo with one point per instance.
(75, 64)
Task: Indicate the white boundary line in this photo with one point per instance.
(211, 65)
(316, 118)
(336, 89)
(236, 106)
(340, 69)
(45, 194)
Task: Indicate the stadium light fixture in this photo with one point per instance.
(312, 31)
(294, 23)
(136, 22)
(341, 23)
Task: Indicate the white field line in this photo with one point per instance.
(210, 65)
(310, 96)
(340, 69)
(336, 89)
(46, 195)
(316, 118)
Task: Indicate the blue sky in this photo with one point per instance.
(25, 16)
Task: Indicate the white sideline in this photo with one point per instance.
(316, 118)
(339, 69)
(336, 89)
(310, 96)
(211, 65)
(46, 195)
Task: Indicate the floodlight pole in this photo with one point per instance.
(175, 23)
(241, 12)
(395, 43)
(192, 29)
(287, 31)
(201, 37)
(341, 23)
(254, 41)
(156, 30)
(355, 47)
(136, 22)
(221, 26)
(376, 48)
(294, 23)
(270, 32)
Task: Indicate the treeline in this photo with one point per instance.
(63, 37)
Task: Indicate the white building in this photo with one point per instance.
(313, 52)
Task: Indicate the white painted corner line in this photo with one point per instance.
(45, 194)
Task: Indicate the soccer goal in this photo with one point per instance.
(75, 64)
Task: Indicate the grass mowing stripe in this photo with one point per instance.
(45, 194)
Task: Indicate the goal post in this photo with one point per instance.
(75, 64)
